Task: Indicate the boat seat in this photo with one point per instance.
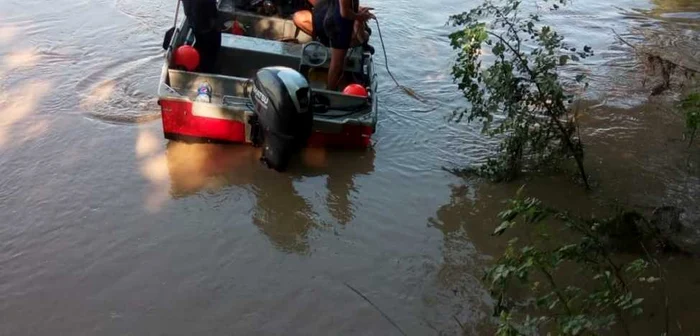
(243, 56)
(265, 27)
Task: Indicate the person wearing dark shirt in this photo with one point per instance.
(303, 19)
(334, 25)
(203, 16)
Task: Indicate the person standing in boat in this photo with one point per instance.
(334, 25)
(303, 19)
(203, 16)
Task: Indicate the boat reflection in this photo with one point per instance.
(280, 212)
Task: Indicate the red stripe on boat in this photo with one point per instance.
(179, 120)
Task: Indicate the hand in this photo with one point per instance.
(365, 14)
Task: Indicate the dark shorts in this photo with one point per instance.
(203, 16)
(331, 29)
(208, 45)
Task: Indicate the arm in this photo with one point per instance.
(312, 2)
(346, 10)
(348, 13)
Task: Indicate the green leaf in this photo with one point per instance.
(507, 85)
(498, 49)
(508, 215)
(690, 106)
(505, 225)
(652, 279)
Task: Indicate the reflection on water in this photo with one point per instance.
(19, 104)
(8, 33)
(283, 215)
(21, 58)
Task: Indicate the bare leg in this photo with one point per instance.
(302, 19)
(336, 68)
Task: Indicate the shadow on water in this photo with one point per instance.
(279, 211)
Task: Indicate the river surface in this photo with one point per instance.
(107, 228)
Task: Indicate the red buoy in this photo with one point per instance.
(237, 29)
(355, 90)
(186, 56)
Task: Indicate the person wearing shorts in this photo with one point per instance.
(303, 19)
(334, 22)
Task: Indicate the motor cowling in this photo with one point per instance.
(283, 117)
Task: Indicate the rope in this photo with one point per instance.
(408, 91)
(386, 58)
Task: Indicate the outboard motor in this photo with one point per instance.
(284, 118)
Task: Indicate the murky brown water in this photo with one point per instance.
(107, 228)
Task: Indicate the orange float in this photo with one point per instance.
(237, 29)
(187, 57)
(355, 90)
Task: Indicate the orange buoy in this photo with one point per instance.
(355, 90)
(186, 56)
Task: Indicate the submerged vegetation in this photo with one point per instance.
(604, 297)
(519, 95)
(508, 67)
(690, 106)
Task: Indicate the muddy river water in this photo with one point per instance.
(107, 228)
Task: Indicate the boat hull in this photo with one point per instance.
(179, 122)
(183, 121)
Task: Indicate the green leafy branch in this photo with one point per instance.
(604, 298)
(690, 106)
(520, 95)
